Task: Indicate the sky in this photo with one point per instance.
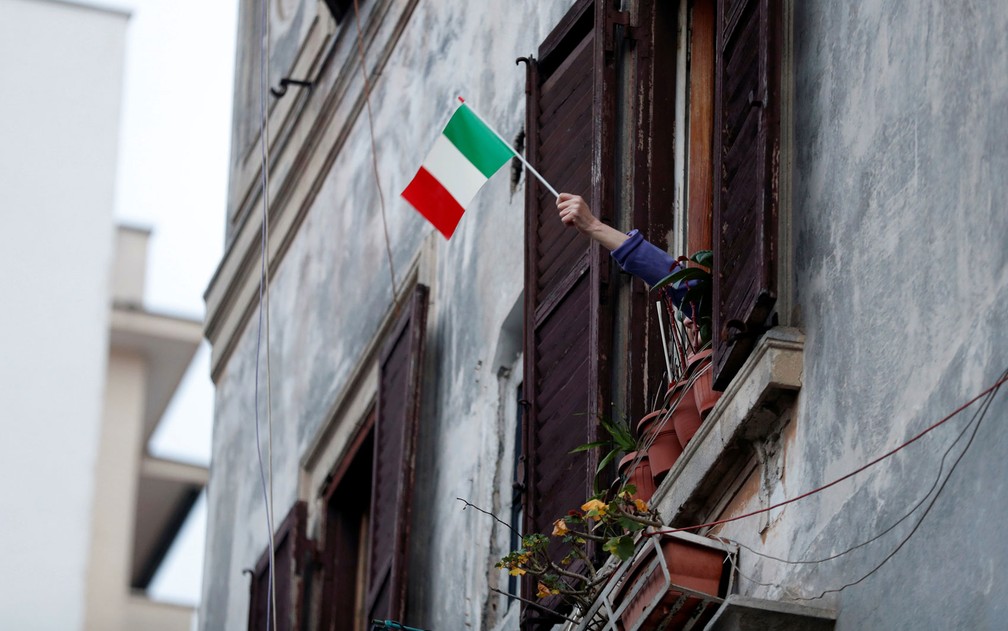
(173, 176)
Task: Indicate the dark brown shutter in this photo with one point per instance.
(347, 499)
(395, 430)
(567, 328)
(746, 162)
(292, 553)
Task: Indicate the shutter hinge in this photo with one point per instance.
(616, 18)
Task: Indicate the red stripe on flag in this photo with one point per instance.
(434, 202)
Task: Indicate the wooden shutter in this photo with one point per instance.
(292, 554)
(747, 159)
(347, 500)
(654, 196)
(395, 431)
(567, 327)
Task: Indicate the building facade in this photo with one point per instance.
(844, 165)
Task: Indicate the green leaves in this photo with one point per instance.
(630, 525)
(621, 440)
(613, 521)
(704, 258)
(622, 547)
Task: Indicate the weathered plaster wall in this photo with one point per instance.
(900, 228)
(333, 289)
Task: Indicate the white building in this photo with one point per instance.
(86, 371)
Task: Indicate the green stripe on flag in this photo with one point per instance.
(476, 141)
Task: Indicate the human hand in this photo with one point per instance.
(574, 211)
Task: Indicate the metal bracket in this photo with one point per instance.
(286, 81)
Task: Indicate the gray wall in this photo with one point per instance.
(900, 233)
(332, 290)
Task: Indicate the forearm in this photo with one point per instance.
(610, 238)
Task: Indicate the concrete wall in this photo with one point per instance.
(116, 476)
(899, 262)
(899, 226)
(61, 66)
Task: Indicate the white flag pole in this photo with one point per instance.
(508, 145)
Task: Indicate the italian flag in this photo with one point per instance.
(463, 158)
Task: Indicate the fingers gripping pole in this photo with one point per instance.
(517, 155)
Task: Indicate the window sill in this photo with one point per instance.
(747, 411)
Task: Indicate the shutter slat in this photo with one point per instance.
(570, 82)
(559, 136)
(556, 264)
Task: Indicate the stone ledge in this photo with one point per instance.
(738, 613)
(747, 411)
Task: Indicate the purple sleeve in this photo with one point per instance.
(647, 262)
(643, 259)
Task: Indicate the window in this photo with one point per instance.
(591, 345)
(717, 65)
(395, 434)
(368, 494)
(359, 567)
(346, 524)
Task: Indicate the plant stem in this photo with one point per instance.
(533, 603)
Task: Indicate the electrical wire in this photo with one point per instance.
(993, 388)
(937, 487)
(374, 148)
(735, 568)
(985, 406)
(890, 528)
(264, 302)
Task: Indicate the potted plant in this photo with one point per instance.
(634, 467)
(693, 339)
(659, 441)
(658, 580)
(676, 580)
(577, 578)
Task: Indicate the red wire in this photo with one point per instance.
(962, 407)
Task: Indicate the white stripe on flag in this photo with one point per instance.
(452, 169)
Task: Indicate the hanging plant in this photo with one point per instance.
(576, 578)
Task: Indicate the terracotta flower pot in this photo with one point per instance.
(685, 416)
(640, 476)
(701, 366)
(658, 431)
(692, 566)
